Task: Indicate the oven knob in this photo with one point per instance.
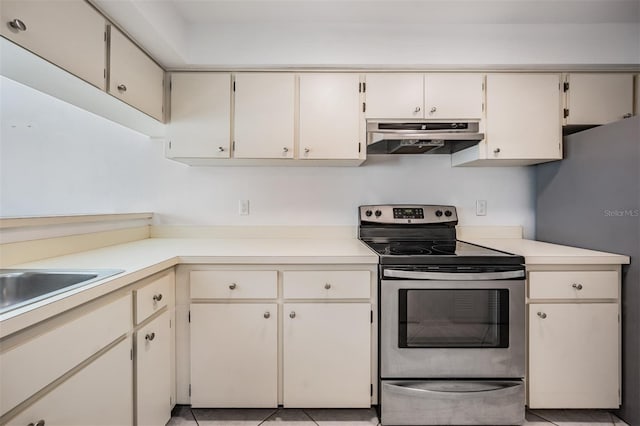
(447, 213)
(368, 213)
(378, 213)
(438, 213)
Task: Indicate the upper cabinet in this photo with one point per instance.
(70, 34)
(200, 124)
(594, 99)
(331, 122)
(264, 115)
(523, 121)
(429, 96)
(134, 78)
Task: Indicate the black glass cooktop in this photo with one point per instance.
(422, 252)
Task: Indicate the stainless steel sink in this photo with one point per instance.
(20, 287)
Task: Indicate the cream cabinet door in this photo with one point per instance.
(70, 34)
(234, 361)
(453, 95)
(200, 125)
(390, 96)
(153, 368)
(133, 77)
(101, 394)
(598, 98)
(327, 355)
(573, 355)
(264, 115)
(523, 116)
(330, 116)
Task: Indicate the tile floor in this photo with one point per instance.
(183, 415)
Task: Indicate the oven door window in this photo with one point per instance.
(453, 318)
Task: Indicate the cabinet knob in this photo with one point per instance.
(496, 151)
(150, 336)
(122, 87)
(417, 109)
(542, 315)
(220, 149)
(232, 286)
(577, 286)
(433, 109)
(285, 149)
(327, 286)
(17, 24)
(157, 297)
(292, 314)
(40, 423)
(306, 150)
(627, 115)
(267, 315)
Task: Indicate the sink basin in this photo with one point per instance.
(20, 287)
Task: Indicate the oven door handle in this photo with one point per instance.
(453, 276)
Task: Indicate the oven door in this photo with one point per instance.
(452, 329)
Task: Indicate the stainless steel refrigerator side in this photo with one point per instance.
(591, 199)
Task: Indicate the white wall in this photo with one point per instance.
(58, 159)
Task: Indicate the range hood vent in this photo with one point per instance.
(421, 137)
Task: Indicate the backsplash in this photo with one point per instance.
(58, 159)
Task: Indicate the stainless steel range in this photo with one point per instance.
(452, 321)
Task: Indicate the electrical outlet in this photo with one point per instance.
(481, 207)
(243, 207)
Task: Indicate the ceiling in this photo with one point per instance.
(219, 33)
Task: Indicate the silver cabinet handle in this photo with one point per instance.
(577, 286)
(285, 149)
(17, 24)
(433, 109)
(417, 109)
(627, 115)
(292, 314)
(267, 315)
(232, 286)
(542, 315)
(327, 286)
(150, 336)
(157, 297)
(220, 149)
(122, 87)
(496, 151)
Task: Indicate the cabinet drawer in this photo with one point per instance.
(573, 285)
(30, 366)
(327, 284)
(153, 297)
(234, 284)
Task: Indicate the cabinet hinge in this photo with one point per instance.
(483, 107)
(104, 73)
(372, 317)
(169, 323)
(364, 107)
(371, 393)
(364, 87)
(565, 86)
(105, 36)
(234, 86)
(169, 144)
(359, 87)
(566, 112)
(131, 354)
(189, 389)
(233, 146)
(189, 316)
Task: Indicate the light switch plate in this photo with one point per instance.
(481, 207)
(243, 207)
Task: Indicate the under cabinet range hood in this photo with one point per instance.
(421, 137)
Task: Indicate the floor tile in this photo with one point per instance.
(231, 416)
(290, 417)
(576, 417)
(618, 422)
(343, 416)
(181, 416)
(531, 419)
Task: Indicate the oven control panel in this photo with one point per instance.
(408, 214)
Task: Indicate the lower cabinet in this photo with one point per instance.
(574, 337)
(326, 355)
(234, 351)
(99, 395)
(153, 368)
